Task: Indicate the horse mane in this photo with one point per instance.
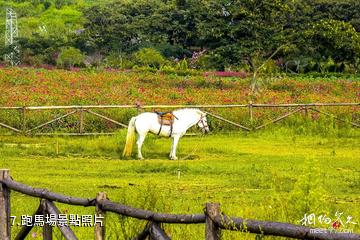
(187, 109)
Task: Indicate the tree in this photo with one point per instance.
(149, 57)
(70, 57)
(336, 39)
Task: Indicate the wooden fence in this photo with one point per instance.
(212, 217)
(91, 109)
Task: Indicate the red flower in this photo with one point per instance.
(336, 225)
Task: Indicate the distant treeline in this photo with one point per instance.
(306, 35)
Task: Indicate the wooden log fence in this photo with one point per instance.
(4, 206)
(331, 115)
(25, 230)
(89, 109)
(10, 127)
(157, 233)
(142, 235)
(100, 227)
(215, 222)
(212, 230)
(51, 121)
(280, 118)
(228, 121)
(106, 118)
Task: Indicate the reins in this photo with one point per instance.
(194, 149)
(188, 155)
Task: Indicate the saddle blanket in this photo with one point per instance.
(166, 118)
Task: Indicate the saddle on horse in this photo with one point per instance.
(167, 119)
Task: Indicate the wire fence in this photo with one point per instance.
(75, 120)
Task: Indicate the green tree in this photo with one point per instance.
(45, 47)
(149, 57)
(70, 57)
(336, 39)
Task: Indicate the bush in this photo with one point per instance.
(28, 58)
(182, 65)
(70, 57)
(180, 69)
(173, 51)
(93, 60)
(115, 60)
(149, 57)
(211, 61)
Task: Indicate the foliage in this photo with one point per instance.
(116, 60)
(40, 47)
(70, 57)
(333, 36)
(235, 34)
(149, 57)
(173, 51)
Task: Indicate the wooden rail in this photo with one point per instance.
(89, 109)
(212, 217)
(185, 106)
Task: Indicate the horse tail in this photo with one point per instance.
(130, 138)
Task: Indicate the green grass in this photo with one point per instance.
(272, 175)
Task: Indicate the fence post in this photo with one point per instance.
(157, 233)
(81, 125)
(47, 232)
(99, 213)
(23, 120)
(57, 146)
(251, 111)
(306, 111)
(47, 229)
(212, 231)
(4, 207)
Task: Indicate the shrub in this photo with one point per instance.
(149, 57)
(167, 69)
(182, 65)
(116, 60)
(211, 61)
(70, 57)
(29, 58)
(94, 60)
(173, 51)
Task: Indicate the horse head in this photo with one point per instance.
(202, 123)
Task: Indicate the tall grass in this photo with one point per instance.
(278, 174)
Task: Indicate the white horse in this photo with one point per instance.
(148, 122)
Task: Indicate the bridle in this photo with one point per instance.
(202, 122)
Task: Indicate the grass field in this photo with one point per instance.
(307, 164)
(272, 175)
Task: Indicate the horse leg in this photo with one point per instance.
(171, 150)
(140, 142)
(174, 146)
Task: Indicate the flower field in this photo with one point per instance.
(28, 86)
(37, 87)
